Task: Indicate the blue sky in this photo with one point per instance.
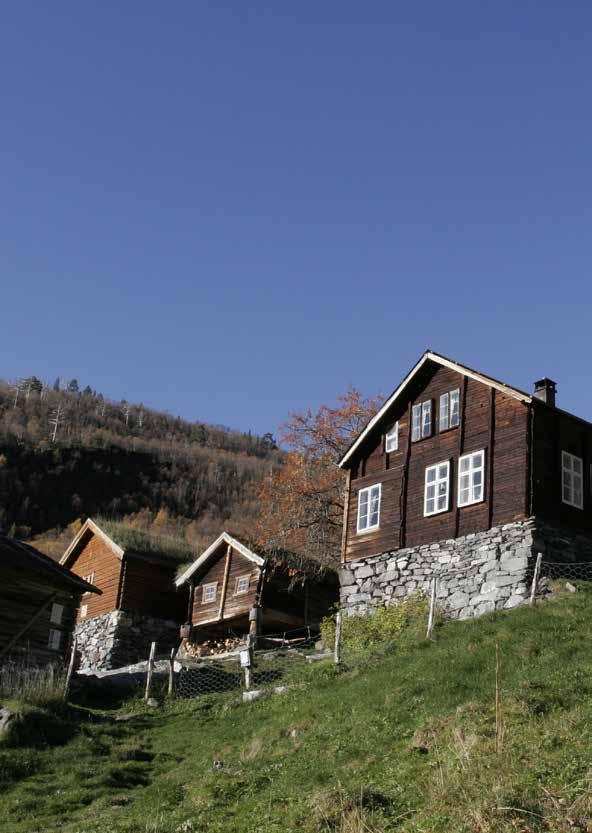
(231, 211)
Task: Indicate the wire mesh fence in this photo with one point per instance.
(561, 571)
(277, 661)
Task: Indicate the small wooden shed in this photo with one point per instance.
(38, 604)
(232, 584)
(140, 604)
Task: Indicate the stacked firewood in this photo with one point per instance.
(212, 647)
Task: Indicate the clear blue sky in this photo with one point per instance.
(231, 210)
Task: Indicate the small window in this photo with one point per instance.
(91, 580)
(426, 418)
(470, 478)
(416, 423)
(242, 585)
(391, 440)
(57, 612)
(369, 508)
(209, 593)
(454, 408)
(444, 411)
(572, 480)
(449, 410)
(437, 488)
(83, 611)
(55, 639)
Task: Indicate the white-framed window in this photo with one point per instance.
(471, 476)
(208, 593)
(391, 439)
(449, 416)
(437, 488)
(426, 418)
(242, 585)
(572, 481)
(56, 614)
(83, 611)
(454, 408)
(416, 423)
(421, 420)
(369, 508)
(91, 580)
(55, 639)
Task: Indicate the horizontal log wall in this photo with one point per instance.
(95, 556)
(497, 423)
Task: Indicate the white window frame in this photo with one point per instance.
(54, 642)
(568, 470)
(368, 490)
(239, 579)
(205, 592)
(472, 488)
(83, 611)
(56, 614)
(436, 482)
(444, 412)
(426, 419)
(90, 579)
(448, 416)
(454, 395)
(391, 439)
(416, 423)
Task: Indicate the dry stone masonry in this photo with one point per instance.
(122, 638)
(476, 574)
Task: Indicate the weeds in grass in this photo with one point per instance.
(31, 684)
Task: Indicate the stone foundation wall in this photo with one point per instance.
(122, 638)
(476, 574)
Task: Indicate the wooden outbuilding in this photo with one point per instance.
(38, 604)
(139, 603)
(235, 588)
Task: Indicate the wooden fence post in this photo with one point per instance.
(172, 673)
(150, 671)
(432, 609)
(70, 669)
(248, 677)
(535, 579)
(498, 717)
(337, 648)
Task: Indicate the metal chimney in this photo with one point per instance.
(546, 390)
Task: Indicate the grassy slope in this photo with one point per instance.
(405, 743)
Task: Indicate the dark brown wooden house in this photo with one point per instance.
(38, 603)
(230, 580)
(454, 453)
(139, 602)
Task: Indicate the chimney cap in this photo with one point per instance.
(545, 383)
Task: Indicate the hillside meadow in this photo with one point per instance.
(400, 738)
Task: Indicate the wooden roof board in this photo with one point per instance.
(23, 556)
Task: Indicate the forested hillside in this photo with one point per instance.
(66, 454)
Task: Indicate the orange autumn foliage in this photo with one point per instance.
(302, 502)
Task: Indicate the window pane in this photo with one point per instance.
(577, 465)
(443, 471)
(442, 503)
(444, 412)
(477, 477)
(464, 464)
(454, 410)
(431, 475)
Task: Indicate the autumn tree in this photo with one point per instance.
(302, 501)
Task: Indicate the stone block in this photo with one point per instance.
(458, 600)
(364, 572)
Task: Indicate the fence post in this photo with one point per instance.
(337, 648)
(70, 669)
(535, 579)
(248, 667)
(150, 671)
(498, 715)
(172, 673)
(254, 624)
(432, 609)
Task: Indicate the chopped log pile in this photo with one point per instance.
(212, 647)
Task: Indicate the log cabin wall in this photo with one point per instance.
(492, 421)
(234, 605)
(554, 431)
(22, 594)
(149, 588)
(96, 558)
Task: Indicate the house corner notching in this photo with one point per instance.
(465, 479)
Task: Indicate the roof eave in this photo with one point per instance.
(207, 554)
(429, 355)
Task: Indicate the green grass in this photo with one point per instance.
(399, 742)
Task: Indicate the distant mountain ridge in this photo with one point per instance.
(66, 454)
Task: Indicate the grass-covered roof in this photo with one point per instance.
(147, 545)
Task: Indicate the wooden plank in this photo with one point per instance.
(225, 581)
(28, 625)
